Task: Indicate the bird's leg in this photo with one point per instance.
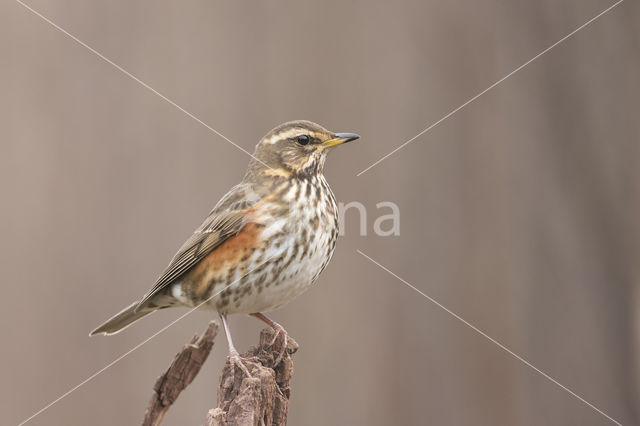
(280, 331)
(234, 356)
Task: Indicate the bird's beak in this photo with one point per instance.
(339, 139)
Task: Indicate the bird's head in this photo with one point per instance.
(296, 148)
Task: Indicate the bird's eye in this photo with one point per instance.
(303, 139)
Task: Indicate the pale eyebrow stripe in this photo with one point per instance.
(286, 134)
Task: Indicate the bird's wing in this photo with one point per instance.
(222, 223)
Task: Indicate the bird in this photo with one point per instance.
(263, 244)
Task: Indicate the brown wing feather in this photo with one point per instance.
(224, 221)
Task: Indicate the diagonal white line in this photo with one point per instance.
(133, 77)
(491, 339)
(94, 375)
(491, 87)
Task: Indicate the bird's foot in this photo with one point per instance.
(286, 341)
(237, 361)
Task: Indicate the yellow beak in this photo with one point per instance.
(339, 139)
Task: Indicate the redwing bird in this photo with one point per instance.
(263, 244)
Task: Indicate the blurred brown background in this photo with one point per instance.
(519, 213)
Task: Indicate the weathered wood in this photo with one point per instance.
(262, 399)
(179, 375)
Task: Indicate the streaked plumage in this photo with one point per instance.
(264, 243)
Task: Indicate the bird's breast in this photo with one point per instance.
(290, 238)
(299, 228)
(301, 225)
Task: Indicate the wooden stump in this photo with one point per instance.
(262, 399)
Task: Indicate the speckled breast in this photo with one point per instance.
(290, 240)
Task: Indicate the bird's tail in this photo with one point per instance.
(122, 319)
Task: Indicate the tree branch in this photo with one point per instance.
(179, 375)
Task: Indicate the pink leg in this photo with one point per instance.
(280, 331)
(234, 356)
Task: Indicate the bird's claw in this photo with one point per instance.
(286, 341)
(237, 361)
